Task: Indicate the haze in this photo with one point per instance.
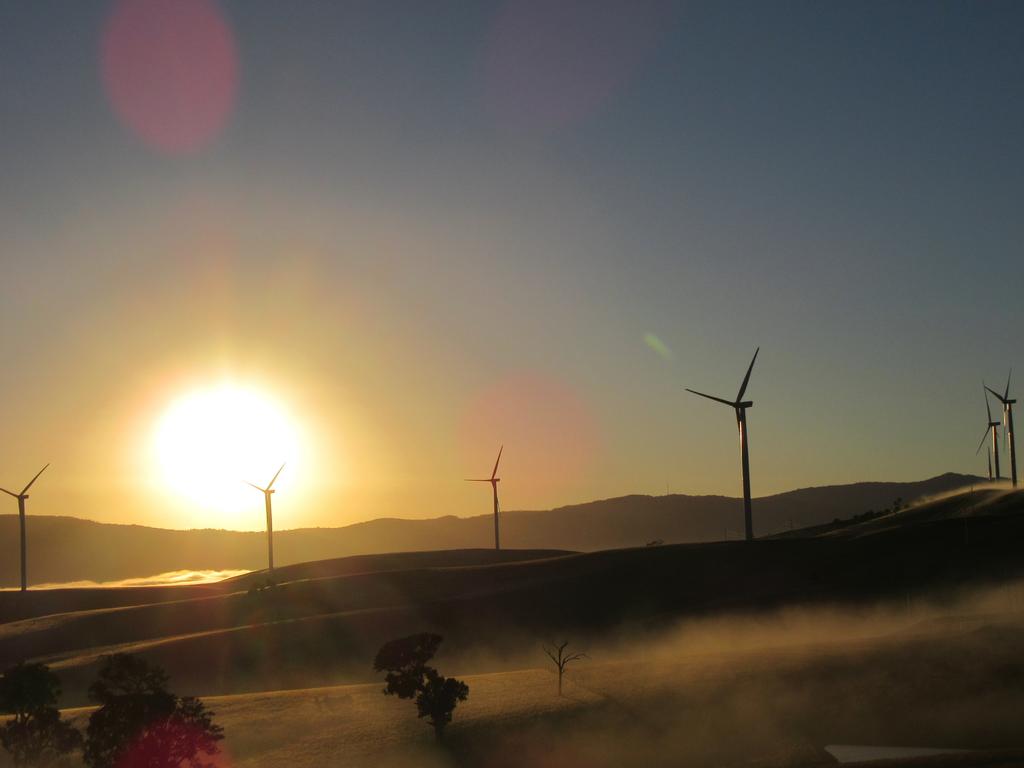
(428, 232)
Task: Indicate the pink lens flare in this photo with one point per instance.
(170, 70)
(171, 742)
(550, 64)
(549, 433)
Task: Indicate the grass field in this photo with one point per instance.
(659, 704)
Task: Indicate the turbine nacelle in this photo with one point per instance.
(24, 491)
(270, 486)
(494, 472)
(1004, 398)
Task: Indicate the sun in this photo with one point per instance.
(209, 442)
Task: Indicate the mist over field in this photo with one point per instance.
(169, 579)
(778, 685)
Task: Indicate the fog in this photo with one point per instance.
(765, 688)
(168, 579)
(770, 688)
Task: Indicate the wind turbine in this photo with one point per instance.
(1008, 402)
(21, 515)
(267, 492)
(493, 480)
(740, 406)
(993, 427)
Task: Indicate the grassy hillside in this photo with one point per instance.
(15, 606)
(719, 654)
(235, 641)
(660, 703)
(64, 549)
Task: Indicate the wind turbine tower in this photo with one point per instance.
(993, 427)
(267, 493)
(740, 406)
(21, 516)
(1008, 403)
(493, 480)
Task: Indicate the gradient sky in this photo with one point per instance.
(430, 228)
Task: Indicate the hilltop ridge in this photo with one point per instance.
(67, 549)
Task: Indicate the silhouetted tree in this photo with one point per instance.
(405, 661)
(438, 698)
(408, 676)
(36, 734)
(141, 724)
(562, 659)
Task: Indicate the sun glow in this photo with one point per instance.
(210, 442)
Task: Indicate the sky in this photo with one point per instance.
(423, 231)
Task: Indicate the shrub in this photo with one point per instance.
(36, 734)
(141, 724)
(408, 677)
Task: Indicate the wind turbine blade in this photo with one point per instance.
(712, 397)
(743, 386)
(478, 480)
(264, 490)
(987, 409)
(494, 474)
(999, 397)
(984, 439)
(9, 493)
(25, 489)
(1006, 395)
(271, 484)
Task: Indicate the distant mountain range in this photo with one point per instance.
(64, 549)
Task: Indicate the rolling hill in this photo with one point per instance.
(67, 549)
(866, 631)
(331, 616)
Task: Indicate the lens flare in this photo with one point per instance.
(173, 741)
(170, 70)
(550, 64)
(659, 347)
(549, 434)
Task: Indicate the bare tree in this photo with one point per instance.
(561, 659)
